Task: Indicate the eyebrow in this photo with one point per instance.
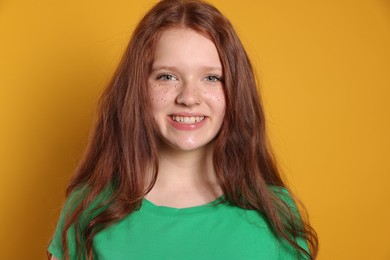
(154, 68)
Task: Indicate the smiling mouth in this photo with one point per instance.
(188, 119)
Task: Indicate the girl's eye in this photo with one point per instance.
(213, 78)
(166, 77)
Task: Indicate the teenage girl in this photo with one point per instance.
(178, 165)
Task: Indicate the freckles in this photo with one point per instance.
(152, 94)
(162, 93)
(213, 97)
(219, 99)
(151, 97)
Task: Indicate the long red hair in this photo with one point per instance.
(123, 144)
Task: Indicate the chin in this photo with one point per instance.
(187, 146)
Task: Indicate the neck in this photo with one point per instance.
(185, 178)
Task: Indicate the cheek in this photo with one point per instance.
(160, 95)
(217, 100)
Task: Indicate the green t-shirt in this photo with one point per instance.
(212, 231)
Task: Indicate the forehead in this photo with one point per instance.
(183, 45)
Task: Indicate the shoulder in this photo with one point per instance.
(288, 199)
(283, 194)
(278, 190)
(56, 248)
(74, 200)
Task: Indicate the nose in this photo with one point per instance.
(189, 95)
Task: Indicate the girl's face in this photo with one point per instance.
(186, 90)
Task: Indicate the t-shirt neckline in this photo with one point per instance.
(149, 206)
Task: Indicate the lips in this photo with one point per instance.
(187, 122)
(187, 119)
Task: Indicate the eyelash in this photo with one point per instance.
(213, 78)
(164, 77)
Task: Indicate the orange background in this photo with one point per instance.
(325, 73)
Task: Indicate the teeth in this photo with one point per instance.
(187, 119)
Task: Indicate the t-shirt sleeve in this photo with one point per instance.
(288, 251)
(55, 247)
